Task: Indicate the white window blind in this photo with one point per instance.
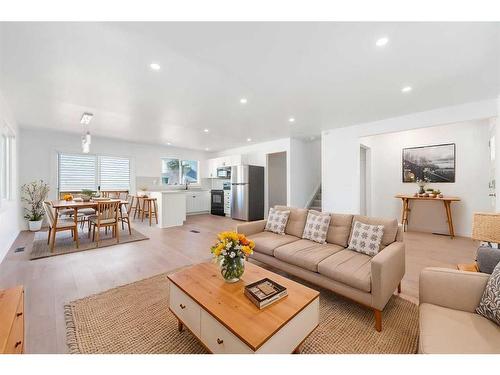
(114, 173)
(77, 172)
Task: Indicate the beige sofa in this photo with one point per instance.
(370, 281)
(448, 321)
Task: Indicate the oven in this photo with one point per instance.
(217, 202)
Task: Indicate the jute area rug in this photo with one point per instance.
(65, 244)
(134, 318)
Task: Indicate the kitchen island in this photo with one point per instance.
(171, 207)
(174, 205)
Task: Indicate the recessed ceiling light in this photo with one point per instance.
(243, 101)
(249, 139)
(155, 66)
(207, 149)
(291, 119)
(86, 118)
(382, 41)
(406, 89)
(168, 143)
(206, 130)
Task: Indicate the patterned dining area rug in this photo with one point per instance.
(65, 243)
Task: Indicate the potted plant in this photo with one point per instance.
(230, 252)
(33, 196)
(87, 195)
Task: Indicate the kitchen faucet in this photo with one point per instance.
(187, 184)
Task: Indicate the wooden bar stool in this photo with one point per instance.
(150, 208)
(139, 206)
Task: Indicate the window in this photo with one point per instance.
(176, 171)
(77, 172)
(83, 171)
(114, 173)
(5, 165)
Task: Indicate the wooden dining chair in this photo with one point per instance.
(125, 211)
(58, 224)
(107, 213)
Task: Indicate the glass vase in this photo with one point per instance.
(232, 269)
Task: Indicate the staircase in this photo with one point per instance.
(316, 202)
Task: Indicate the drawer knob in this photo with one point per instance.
(182, 306)
(219, 341)
(19, 314)
(17, 344)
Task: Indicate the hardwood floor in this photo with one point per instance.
(51, 282)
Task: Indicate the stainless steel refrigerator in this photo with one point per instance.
(247, 192)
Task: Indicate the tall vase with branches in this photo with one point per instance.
(33, 196)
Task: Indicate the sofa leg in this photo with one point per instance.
(378, 320)
(399, 287)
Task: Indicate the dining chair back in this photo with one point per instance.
(107, 210)
(107, 215)
(49, 213)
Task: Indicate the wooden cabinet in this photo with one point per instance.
(12, 321)
(197, 202)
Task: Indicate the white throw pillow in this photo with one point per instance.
(316, 226)
(366, 238)
(276, 221)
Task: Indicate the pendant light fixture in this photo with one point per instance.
(86, 137)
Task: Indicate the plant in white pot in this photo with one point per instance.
(33, 196)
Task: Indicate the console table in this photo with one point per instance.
(446, 202)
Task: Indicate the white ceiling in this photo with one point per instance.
(325, 75)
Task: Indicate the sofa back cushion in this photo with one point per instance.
(296, 220)
(390, 227)
(339, 229)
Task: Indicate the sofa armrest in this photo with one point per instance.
(252, 227)
(458, 290)
(387, 270)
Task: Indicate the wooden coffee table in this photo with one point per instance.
(225, 321)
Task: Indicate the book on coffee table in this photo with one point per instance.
(265, 292)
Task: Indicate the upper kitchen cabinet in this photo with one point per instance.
(209, 167)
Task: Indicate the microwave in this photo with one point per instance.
(224, 172)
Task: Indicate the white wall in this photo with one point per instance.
(39, 148)
(9, 210)
(340, 148)
(471, 175)
(497, 156)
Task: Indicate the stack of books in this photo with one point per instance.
(265, 292)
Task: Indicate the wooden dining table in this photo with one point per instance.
(78, 205)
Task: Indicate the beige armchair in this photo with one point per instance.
(447, 313)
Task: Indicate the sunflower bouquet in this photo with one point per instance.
(230, 252)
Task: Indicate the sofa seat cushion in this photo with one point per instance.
(266, 242)
(444, 331)
(305, 253)
(348, 267)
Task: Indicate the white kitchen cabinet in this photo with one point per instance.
(197, 201)
(209, 168)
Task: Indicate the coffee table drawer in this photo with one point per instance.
(185, 308)
(218, 339)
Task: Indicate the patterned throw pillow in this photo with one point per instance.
(489, 307)
(316, 226)
(276, 221)
(366, 238)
